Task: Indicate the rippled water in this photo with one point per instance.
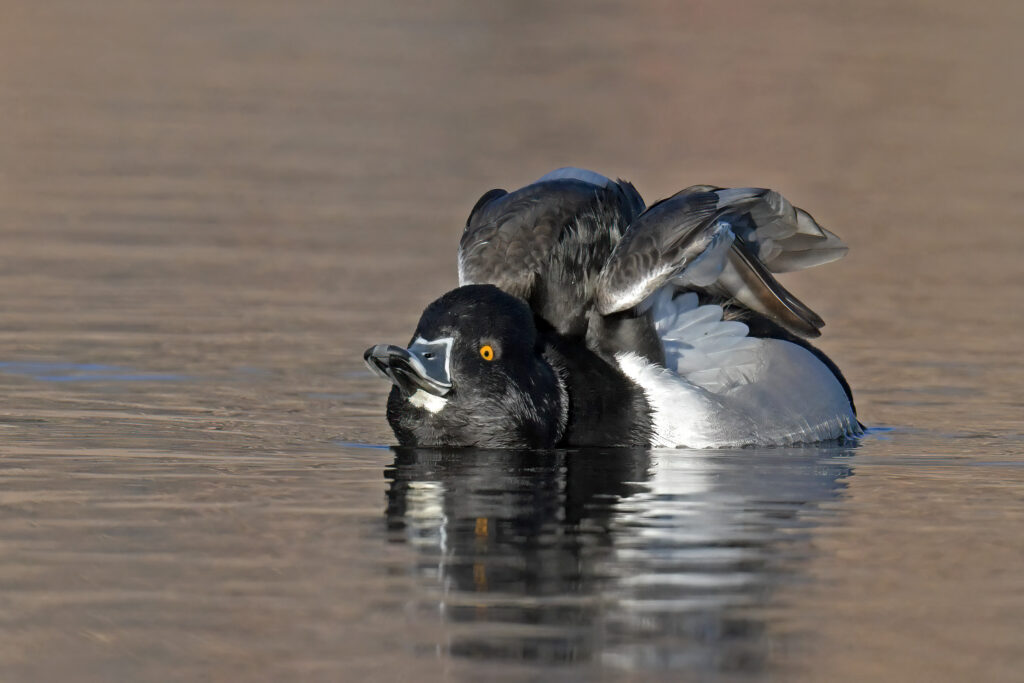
(209, 209)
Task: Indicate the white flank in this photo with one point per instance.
(428, 402)
(682, 414)
(723, 388)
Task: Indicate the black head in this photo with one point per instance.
(473, 375)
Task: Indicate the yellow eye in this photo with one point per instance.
(486, 352)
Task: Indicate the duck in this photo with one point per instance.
(584, 317)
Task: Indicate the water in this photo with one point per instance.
(208, 211)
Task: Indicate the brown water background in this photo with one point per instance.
(209, 209)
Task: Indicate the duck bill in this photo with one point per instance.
(423, 366)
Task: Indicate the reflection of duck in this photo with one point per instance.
(623, 557)
(585, 319)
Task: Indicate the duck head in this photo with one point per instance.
(474, 374)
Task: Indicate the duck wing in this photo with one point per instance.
(783, 237)
(658, 246)
(723, 241)
(520, 241)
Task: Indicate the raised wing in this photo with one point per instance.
(509, 237)
(782, 236)
(726, 242)
(660, 244)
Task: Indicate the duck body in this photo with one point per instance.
(585, 318)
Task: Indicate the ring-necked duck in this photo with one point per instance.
(585, 318)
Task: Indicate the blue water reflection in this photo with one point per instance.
(83, 372)
(628, 558)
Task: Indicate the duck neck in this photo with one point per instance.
(599, 405)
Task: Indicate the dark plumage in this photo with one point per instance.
(566, 330)
(547, 243)
(520, 397)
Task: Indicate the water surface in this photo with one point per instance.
(208, 210)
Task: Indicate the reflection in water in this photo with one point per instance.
(630, 558)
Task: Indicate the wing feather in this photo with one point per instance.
(725, 241)
(509, 237)
(658, 246)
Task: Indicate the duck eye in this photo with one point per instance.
(486, 352)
